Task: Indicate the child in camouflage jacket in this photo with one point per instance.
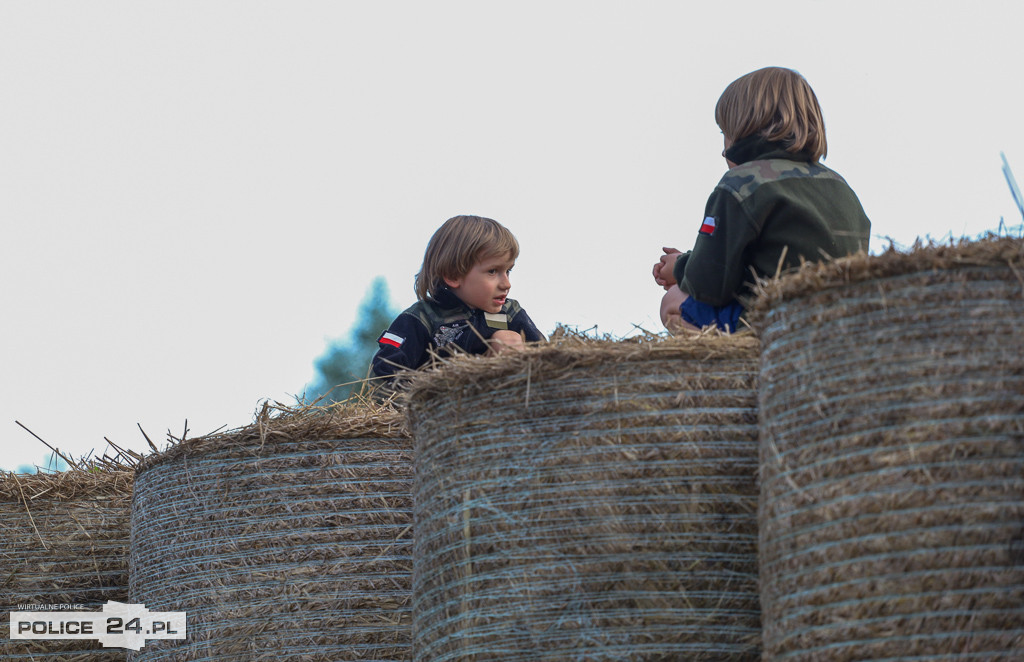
(775, 207)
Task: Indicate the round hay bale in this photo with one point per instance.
(63, 541)
(588, 500)
(286, 539)
(892, 457)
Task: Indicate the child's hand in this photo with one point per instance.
(663, 268)
(504, 340)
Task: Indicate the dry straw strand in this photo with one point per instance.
(608, 515)
(892, 462)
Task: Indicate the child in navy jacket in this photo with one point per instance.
(463, 303)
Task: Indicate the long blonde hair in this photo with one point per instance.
(779, 105)
(455, 248)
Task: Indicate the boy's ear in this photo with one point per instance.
(453, 283)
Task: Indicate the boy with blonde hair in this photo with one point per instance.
(462, 291)
(776, 206)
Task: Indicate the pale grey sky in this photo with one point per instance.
(196, 195)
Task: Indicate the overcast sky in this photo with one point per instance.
(195, 196)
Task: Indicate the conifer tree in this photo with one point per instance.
(346, 361)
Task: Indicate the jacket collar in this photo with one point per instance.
(448, 300)
(756, 148)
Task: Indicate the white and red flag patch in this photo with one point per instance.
(388, 338)
(708, 226)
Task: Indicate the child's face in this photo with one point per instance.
(486, 285)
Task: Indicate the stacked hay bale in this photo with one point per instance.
(892, 466)
(588, 500)
(63, 541)
(289, 538)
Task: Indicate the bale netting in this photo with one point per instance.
(892, 456)
(63, 541)
(588, 500)
(287, 539)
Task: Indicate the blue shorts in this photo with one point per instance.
(701, 314)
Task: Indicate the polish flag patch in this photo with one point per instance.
(388, 338)
(708, 226)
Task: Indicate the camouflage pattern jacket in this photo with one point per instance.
(772, 203)
(441, 326)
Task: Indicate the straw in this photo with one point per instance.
(588, 500)
(892, 457)
(289, 538)
(63, 541)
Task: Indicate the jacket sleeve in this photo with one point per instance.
(403, 346)
(679, 268)
(717, 267)
(522, 323)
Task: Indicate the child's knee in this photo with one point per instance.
(670, 315)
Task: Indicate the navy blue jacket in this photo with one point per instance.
(440, 326)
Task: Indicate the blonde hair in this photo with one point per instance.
(455, 248)
(777, 104)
